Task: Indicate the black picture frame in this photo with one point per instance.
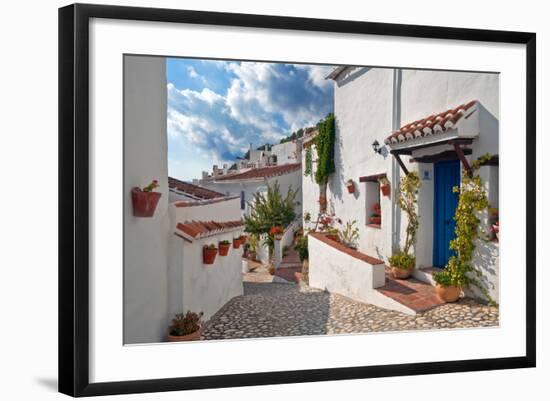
(74, 198)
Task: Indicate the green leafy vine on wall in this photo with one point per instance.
(472, 200)
(325, 149)
(309, 162)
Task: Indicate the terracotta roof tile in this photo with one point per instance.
(193, 190)
(262, 172)
(434, 124)
(195, 229)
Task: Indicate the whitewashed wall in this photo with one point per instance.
(363, 110)
(335, 271)
(310, 191)
(145, 239)
(203, 288)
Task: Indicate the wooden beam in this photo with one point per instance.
(398, 158)
(460, 154)
(372, 178)
(446, 155)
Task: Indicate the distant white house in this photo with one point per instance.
(245, 184)
(389, 121)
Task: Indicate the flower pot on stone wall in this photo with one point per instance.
(209, 255)
(144, 203)
(236, 243)
(447, 293)
(400, 273)
(224, 248)
(385, 189)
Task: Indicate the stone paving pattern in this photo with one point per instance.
(270, 308)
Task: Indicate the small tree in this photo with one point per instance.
(270, 209)
(407, 200)
(325, 157)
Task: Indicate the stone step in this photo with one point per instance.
(412, 293)
(424, 274)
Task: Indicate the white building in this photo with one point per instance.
(163, 268)
(433, 122)
(246, 183)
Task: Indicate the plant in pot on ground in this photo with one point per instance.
(185, 327)
(349, 234)
(403, 261)
(209, 253)
(460, 272)
(224, 247)
(303, 254)
(145, 200)
(252, 246)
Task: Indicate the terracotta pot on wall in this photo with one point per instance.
(447, 294)
(333, 237)
(385, 189)
(196, 335)
(224, 249)
(209, 255)
(236, 243)
(400, 274)
(144, 203)
(351, 187)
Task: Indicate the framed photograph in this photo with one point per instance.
(251, 199)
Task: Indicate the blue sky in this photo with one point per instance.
(216, 108)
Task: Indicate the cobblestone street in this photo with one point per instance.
(271, 308)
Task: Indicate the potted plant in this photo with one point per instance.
(253, 245)
(209, 253)
(401, 264)
(448, 285)
(350, 185)
(145, 200)
(376, 217)
(185, 327)
(495, 229)
(277, 232)
(224, 247)
(236, 242)
(349, 235)
(384, 186)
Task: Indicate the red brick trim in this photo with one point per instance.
(377, 226)
(203, 202)
(351, 252)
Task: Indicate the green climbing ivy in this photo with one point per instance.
(472, 199)
(309, 162)
(325, 149)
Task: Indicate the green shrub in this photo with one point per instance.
(402, 260)
(301, 248)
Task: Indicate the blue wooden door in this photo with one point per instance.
(446, 176)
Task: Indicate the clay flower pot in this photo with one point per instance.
(333, 237)
(278, 237)
(144, 203)
(196, 335)
(385, 189)
(236, 243)
(224, 249)
(400, 274)
(375, 220)
(351, 187)
(447, 294)
(252, 255)
(209, 255)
